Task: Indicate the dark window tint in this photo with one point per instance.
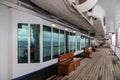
(61, 42)
(46, 43)
(55, 42)
(35, 43)
(22, 43)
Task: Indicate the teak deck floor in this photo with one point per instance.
(102, 65)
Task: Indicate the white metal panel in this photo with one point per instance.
(4, 43)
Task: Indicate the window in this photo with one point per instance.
(34, 43)
(78, 42)
(82, 42)
(74, 42)
(70, 42)
(104, 21)
(22, 43)
(87, 42)
(55, 35)
(113, 39)
(46, 43)
(92, 42)
(67, 42)
(61, 42)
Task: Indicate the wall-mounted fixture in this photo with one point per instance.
(53, 25)
(73, 31)
(66, 29)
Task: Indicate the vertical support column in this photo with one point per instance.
(41, 43)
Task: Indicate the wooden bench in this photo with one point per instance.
(87, 52)
(67, 63)
(93, 49)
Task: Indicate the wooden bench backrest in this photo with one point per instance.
(65, 56)
(86, 50)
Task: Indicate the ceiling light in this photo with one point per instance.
(53, 25)
(73, 31)
(66, 29)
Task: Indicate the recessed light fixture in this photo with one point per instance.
(53, 25)
(73, 31)
(66, 29)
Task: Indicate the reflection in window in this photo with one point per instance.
(92, 42)
(61, 42)
(104, 21)
(55, 42)
(82, 42)
(67, 42)
(22, 43)
(78, 42)
(70, 42)
(74, 42)
(87, 42)
(34, 43)
(46, 43)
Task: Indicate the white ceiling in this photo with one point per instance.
(112, 9)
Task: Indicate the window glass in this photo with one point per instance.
(67, 42)
(70, 42)
(34, 43)
(55, 42)
(82, 42)
(61, 42)
(87, 42)
(22, 43)
(74, 42)
(104, 20)
(46, 43)
(78, 42)
(113, 39)
(90, 42)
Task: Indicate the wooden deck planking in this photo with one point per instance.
(102, 66)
